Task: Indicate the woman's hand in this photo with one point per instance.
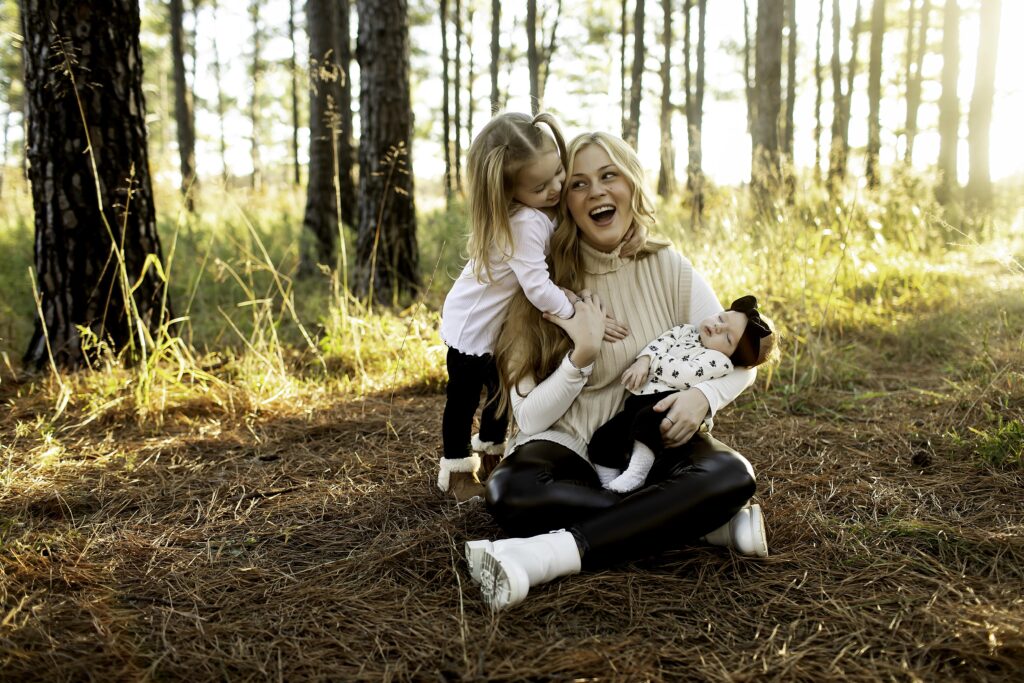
(684, 412)
(614, 330)
(635, 375)
(585, 328)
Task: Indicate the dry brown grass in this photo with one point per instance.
(305, 540)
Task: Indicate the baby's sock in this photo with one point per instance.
(606, 474)
(639, 465)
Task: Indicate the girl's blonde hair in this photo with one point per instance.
(506, 144)
(529, 346)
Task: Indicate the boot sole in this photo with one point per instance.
(758, 536)
(502, 585)
(475, 551)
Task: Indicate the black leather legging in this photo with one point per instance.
(690, 490)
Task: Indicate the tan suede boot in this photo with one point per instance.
(464, 487)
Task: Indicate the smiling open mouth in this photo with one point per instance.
(602, 215)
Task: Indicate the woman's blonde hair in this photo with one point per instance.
(529, 346)
(506, 144)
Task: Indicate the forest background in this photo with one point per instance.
(274, 442)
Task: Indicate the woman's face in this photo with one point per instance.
(599, 199)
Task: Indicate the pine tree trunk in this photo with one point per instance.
(851, 75)
(532, 55)
(87, 54)
(875, 92)
(949, 105)
(623, 102)
(914, 83)
(636, 75)
(791, 50)
(495, 54)
(320, 222)
(221, 105)
(256, 77)
(471, 76)
(446, 123)
(183, 115)
(387, 255)
(549, 51)
(666, 174)
(695, 124)
(293, 72)
(768, 64)
(979, 121)
(457, 89)
(748, 79)
(818, 87)
(835, 163)
(345, 148)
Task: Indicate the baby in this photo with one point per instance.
(682, 357)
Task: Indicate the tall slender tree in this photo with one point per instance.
(840, 152)
(875, 92)
(345, 147)
(457, 89)
(293, 72)
(533, 55)
(636, 75)
(387, 255)
(979, 120)
(695, 118)
(748, 75)
(256, 82)
(765, 166)
(623, 102)
(666, 172)
(183, 114)
(446, 121)
(949, 105)
(221, 100)
(95, 225)
(818, 87)
(914, 81)
(320, 222)
(791, 50)
(495, 54)
(471, 76)
(548, 49)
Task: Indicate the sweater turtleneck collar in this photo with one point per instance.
(596, 262)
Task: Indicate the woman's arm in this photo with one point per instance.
(541, 405)
(529, 264)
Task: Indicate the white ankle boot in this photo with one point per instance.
(506, 569)
(744, 533)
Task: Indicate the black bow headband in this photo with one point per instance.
(748, 349)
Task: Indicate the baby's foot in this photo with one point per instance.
(606, 474)
(627, 481)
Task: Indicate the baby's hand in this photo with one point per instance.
(635, 375)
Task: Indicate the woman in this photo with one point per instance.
(565, 383)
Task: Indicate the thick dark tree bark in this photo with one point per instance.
(636, 75)
(256, 78)
(446, 121)
(818, 86)
(95, 225)
(979, 120)
(183, 114)
(914, 82)
(765, 173)
(320, 222)
(293, 71)
(346, 149)
(791, 50)
(495, 54)
(949, 105)
(666, 173)
(221, 103)
(533, 55)
(875, 92)
(387, 256)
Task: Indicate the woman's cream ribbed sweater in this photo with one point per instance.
(651, 295)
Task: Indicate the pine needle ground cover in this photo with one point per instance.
(274, 514)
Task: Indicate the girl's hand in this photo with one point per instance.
(635, 375)
(684, 413)
(614, 330)
(585, 328)
(570, 295)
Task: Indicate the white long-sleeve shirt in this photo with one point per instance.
(650, 295)
(474, 310)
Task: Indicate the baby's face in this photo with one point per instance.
(722, 331)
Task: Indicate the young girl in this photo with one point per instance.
(515, 170)
(683, 356)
